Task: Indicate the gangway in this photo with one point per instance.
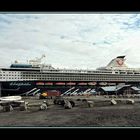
(26, 93)
(87, 91)
(67, 91)
(35, 92)
(74, 92)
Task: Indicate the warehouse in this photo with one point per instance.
(121, 89)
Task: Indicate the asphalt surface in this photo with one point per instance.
(103, 114)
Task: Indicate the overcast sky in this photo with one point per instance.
(70, 40)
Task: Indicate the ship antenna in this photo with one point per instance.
(36, 61)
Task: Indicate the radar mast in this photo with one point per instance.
(36, 61)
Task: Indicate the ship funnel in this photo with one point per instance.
(117, 63)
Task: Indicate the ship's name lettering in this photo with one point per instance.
(19, 84)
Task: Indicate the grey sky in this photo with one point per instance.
(70, 40)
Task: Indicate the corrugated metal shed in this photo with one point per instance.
(122, 86)
(109, 88)
(135, 88)
(114, 88)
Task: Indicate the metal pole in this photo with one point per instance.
(0, 89)
(116, 91)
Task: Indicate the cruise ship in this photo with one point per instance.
(35, 77)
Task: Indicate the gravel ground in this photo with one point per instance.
(101, 115)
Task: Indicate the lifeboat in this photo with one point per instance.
(40, 83)
(103, 83)
(82, 84)
(60, 83)
(70, 83)
(92, 83)
(48, 83)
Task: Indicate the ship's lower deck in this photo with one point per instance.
(34, 87)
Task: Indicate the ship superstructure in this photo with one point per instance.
(21, 78)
